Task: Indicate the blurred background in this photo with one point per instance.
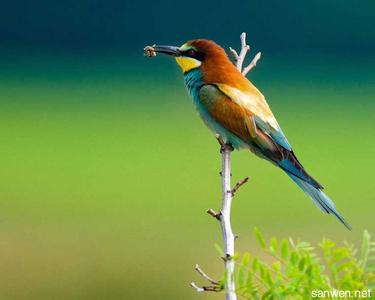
(107, 171)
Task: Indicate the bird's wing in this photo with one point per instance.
(254, 102)
(250, 118)
(225, 111)
(237, 119)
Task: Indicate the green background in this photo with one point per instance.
(106, 169)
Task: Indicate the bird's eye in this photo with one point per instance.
(191, 52)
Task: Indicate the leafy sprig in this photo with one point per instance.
(292, 270)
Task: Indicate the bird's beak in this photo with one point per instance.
(169, 50)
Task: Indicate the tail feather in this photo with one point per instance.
(320, 199)
(291, 165)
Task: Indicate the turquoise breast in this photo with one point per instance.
(194, 81)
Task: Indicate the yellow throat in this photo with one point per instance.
(187, 63)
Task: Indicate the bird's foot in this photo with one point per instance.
(224, 146)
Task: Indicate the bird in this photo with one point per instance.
(234, 109)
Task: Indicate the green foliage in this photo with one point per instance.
(292, 270)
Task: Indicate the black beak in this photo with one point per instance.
(169, 50)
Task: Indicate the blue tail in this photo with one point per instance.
(321, 200)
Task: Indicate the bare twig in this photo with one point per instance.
(253, 64)
(205, 276)
(205, 288)
(213, 213)
(240, 58)
(238, 185)
(234, 54)
(220, 140)
(197, 288)
(215, 287)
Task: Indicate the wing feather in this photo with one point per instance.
(225, 111)
(239, 120)
(239, 113)
(254, 102)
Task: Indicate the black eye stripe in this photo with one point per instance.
(193, 54)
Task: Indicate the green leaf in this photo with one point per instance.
(293, 258)
(339, 254)
(347, 266)
(245, 258)
(255, 264)
(241, 270)
(249, 283)
(303, 245)
(301, 264)
(326, 244)
(309, 270)
(269, 279)
(267, 295)
(262, 272)
(273, 246)
(276, 266)
(259, 237)
(365, 248)
(240, 277)
(284, 249)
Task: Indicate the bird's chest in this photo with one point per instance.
(193, 82)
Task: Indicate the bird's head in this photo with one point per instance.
(195, 54)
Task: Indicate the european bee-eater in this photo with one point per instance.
(232, 107)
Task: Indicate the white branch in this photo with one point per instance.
(225, 223)
(244, 49)
(240, 58)
(253, 64)
(227, 195)
(227, 191)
